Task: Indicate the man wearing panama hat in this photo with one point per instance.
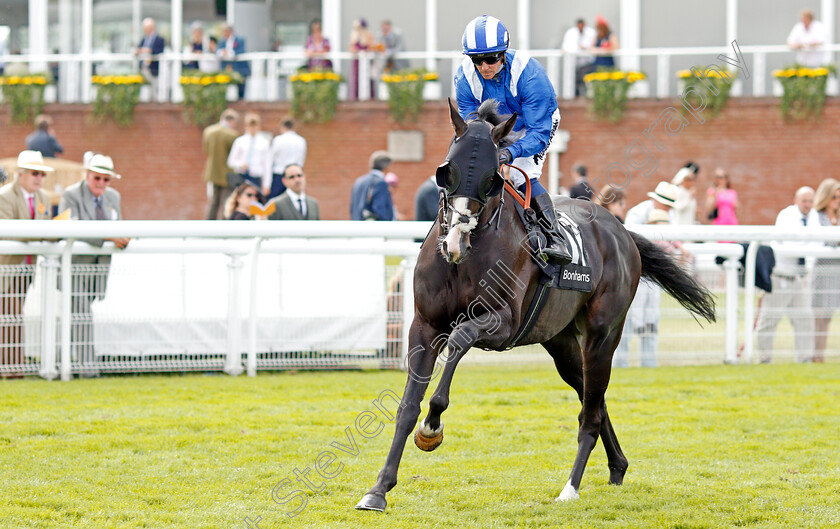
(24, 199)
(91, 199)
(663, 197)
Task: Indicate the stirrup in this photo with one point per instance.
(557, 255)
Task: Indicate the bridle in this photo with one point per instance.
(444, 206)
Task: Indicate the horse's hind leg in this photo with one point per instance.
(590, 384)
(565, 351)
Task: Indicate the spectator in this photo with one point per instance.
(288, 147)
(581, 188)
(23, 198)
(317, 48)
(826, 271)
(391, 39)
(614, 200)
(361, 40)
(807, 37)
(195, 46)
(2, 55)
(685, 207)
(249, 153)
(519, 84)
(606, 43)
(209, 61)
(722, 201)
(791, 293)
(393, 182)
(294, 203)
(644, 311)
(370, 198)
(91, 199)
(217, 141)
(151, 45)
(238, 204)
(578, 39)
(231, 48)
(663, 197)
(427, 200)
(43, 139)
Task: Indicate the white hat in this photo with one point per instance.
(664, 193)
(34, 161)
(659, 216)
(99, 163)
(681, 175)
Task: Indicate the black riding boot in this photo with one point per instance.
(555, 250)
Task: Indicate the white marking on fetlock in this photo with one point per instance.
(569, 493)
(425, 431)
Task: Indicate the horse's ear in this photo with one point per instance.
(458, 122)
(503, 129)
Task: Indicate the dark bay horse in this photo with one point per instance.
(474, 288)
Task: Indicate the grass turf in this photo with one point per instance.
(748, 446)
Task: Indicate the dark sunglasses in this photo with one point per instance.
(38, 173)
(105, 179)
(293, 176)
(489, 59)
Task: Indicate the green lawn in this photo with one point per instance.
(723, 446)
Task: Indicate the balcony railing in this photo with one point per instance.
(270, 71)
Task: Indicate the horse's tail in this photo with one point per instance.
(662, 269)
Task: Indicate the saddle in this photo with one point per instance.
(576, 275)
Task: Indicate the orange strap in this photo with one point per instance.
(526, 203)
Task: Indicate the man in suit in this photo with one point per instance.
(229, 48)
(151, 44)
(217, 140)
(23, 198)
(293, 203)
(370, 198)
(91, 199)
(43, 139)
(427, 200)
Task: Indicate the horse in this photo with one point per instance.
(474, 287)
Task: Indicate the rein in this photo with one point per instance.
(526, 202)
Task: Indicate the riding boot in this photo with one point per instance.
(555, 251)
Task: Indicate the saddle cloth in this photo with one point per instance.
(576, 275)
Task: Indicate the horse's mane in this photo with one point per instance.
(489, 111)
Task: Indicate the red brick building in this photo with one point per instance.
(161, 159)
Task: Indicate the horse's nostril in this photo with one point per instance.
(463, 219)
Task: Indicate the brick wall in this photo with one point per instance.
(161, 159)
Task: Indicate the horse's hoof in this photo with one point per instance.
(372, 502)
(427, 439)
(617, 475)
(569, 493)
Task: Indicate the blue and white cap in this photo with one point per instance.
(485, 34)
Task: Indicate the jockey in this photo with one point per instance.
(519, 83)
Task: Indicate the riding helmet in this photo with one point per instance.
(485, 34)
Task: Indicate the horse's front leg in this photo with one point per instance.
(492, 328)
(423, 351)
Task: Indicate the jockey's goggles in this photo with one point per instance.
(490, 59)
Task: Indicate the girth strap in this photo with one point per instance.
(534, 310)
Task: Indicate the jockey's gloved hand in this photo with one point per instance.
(504, 156)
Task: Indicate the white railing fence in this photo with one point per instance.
(269, 80)
(238, 297)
